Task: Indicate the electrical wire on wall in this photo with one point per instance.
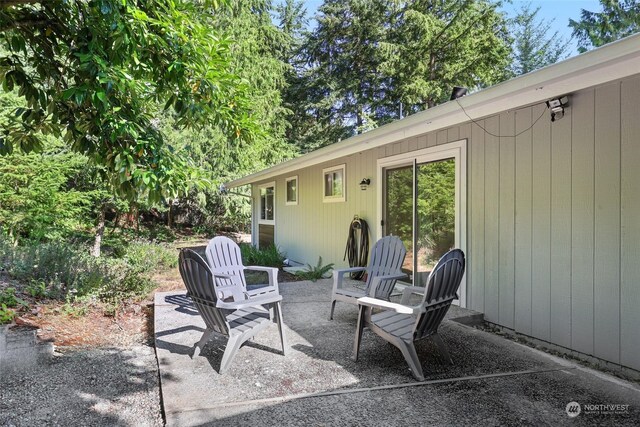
(357, 250)
(501, 136)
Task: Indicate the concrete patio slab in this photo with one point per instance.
(493, 380)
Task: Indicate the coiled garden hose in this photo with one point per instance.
(357, 250)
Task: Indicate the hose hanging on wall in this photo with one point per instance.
(357, 250)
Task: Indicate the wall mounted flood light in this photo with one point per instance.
(458, 92)
(364, 183)
(556, 106)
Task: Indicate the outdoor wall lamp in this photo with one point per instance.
(556, 106)
(364, 183)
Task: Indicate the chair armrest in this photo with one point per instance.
(406, 293)
(376, 281)
(272, 271)
(260, 268)
(348, 270)
(338, 275)
(253, 302)
(261, 291)
(387, 305)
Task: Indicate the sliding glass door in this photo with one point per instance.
(419, 206)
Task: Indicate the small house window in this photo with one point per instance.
(334, 184)
(267, 202)
(292, 190)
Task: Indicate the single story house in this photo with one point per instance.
(547, 211)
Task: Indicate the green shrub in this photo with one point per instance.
(67, 272)
(37, 289)
(268, 257)
(316, 272)
(148, 257)
(6, 314)
(8, 298)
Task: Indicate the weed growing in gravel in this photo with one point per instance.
(316, 272)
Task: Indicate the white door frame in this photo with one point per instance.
(456, 150)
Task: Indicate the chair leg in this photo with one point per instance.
(443, 348)
(359, 329)
(278, 317)
(409, 352)
(200, 344)
(333, 306)
(230, 352)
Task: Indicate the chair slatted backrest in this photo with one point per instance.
(387, 257)
(199, 280)
(442, 287)
(224, 257)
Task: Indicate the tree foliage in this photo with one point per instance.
(435, 45)
(94, 73)
(369, 62)
(533, 46)
(618, 19)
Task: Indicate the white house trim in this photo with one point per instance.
(334, 199)
(267, 221)
(456, 150)
(286, 191)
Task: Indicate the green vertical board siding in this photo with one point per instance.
(630, 225)
(476, 217)
(507, 219)
(553, 229)
(523, 221)
(582, 221)
(606, 269)
(491, 218)
(541, 223)
(560, 255)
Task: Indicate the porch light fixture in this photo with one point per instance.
(556, 106)
(364, 183)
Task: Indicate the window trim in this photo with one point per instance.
(267, 221)
(334, 199)
(286, 191)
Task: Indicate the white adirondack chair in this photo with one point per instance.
(402, 325)
(225, 260)
(383, 271)
(238, 320)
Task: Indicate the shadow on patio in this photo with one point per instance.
(318, 383)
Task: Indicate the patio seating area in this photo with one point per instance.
(492, 381)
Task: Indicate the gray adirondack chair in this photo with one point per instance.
(383, 271)
(239, 320)
(225, 260)
(403, 325)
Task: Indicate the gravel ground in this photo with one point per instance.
(85, 387)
